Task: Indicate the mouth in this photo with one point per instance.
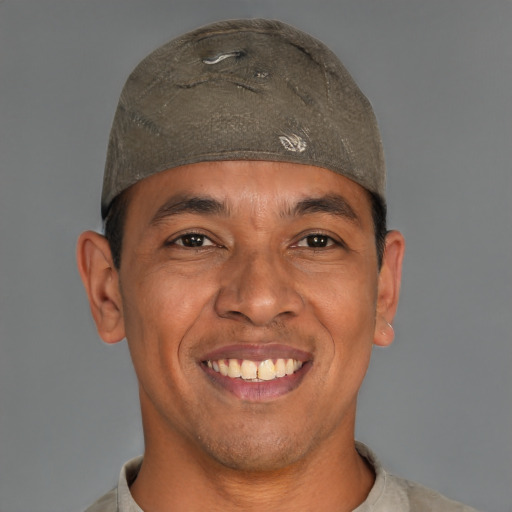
(257, 373)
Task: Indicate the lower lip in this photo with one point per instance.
(258, 391)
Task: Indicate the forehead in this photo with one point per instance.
(246, 184)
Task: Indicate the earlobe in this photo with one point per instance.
(100, 279)
(389, 288)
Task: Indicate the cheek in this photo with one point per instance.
(346, 300)
(345, 305)
(159, 310)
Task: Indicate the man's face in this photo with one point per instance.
(227, 265)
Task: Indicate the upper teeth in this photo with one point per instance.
(255, 370)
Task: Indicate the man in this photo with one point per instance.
(247, 263)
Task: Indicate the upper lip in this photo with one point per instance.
(257, 352)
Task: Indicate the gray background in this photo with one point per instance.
(437, 405)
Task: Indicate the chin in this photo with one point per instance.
(261, 453)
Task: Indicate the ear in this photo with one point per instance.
(101, 282)
(389, 288)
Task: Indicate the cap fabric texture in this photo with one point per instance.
(242, 90)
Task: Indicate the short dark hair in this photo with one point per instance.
(116, 216)
(379, 215)
(113, 226)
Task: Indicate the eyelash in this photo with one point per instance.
(200, 238)
(190, 235)
(318, 237)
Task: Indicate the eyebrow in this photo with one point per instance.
(332, 204)
(189, 204)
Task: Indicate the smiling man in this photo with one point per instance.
(247, 263)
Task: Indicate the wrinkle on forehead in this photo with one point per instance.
(331, 204)
(254, 191)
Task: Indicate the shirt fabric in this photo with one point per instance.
(388, 494)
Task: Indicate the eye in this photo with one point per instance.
(193, 240)
(316, 241)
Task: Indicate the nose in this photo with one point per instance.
(258, 289)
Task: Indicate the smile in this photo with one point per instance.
(255, 371)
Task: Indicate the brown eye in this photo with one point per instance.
(193, 240)
(316, 241)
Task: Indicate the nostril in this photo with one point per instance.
(236, 314)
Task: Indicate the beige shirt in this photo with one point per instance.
(388, 494)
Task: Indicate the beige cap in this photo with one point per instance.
(242, 90)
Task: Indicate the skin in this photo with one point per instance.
(255, 282)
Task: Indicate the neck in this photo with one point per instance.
(176, 476)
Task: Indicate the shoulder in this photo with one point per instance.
(107, 503)
(391, 493)
(120, 499)
(417, 498)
